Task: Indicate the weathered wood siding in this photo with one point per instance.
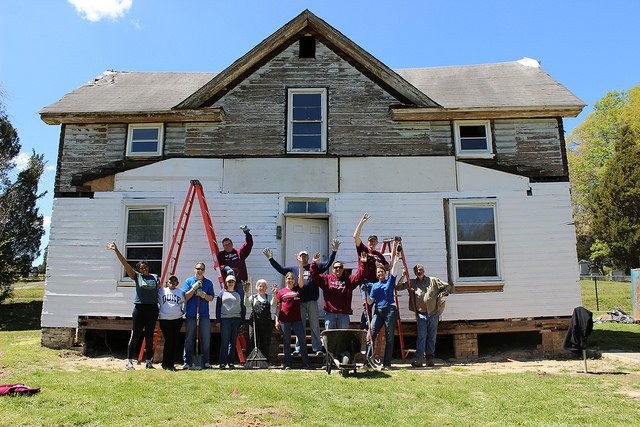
(86, 147)
(536, 240)
(531, 146)
(359, 124)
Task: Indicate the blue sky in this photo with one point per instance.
(50, 47)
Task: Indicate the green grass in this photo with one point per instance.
(80, 394)
(610, 295)
(610, 335)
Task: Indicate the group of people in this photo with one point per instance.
(294, 304)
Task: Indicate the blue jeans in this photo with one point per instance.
(298, 328)
(427, 330)
(309, 310)
(384, 316)
(190, 339)
(336, 321)
(228, 335)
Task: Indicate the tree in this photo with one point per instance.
(591, 145)
(616, 202)
(21, 226)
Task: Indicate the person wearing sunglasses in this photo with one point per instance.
(337, 288)
(198, 291)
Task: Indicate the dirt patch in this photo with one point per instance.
(508, 362)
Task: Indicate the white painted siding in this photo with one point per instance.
(536, 240)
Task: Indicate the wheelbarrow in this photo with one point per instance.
(342, 346)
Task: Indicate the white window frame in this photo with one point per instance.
(453, 239)
(157, 152)
(485, 153)
(323, 121)
(166, 208)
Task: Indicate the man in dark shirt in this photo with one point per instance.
(232, 260)
(309, 294)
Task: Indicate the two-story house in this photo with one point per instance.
(299, 137)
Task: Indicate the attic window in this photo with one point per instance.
(307, 47)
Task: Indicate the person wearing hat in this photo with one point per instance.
(198, 291)
(232, 261)
(230, 312)
(171, 299)
(426, 299)
(374, 258)
(310, 293)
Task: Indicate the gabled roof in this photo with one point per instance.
(307, 23)
(505, 89)
(128, 94)
(518, 83)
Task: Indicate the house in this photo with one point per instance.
(299, 137)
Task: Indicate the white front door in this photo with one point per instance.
(309, 234)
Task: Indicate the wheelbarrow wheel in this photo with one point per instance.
(327, 362)
(344, 372)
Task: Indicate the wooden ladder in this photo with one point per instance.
(195, 191)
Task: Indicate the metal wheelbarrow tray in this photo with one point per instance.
(342, 347)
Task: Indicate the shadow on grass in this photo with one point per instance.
(20, 316)
(614, 340)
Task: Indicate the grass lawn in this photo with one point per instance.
(81, 394)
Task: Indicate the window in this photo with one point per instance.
(473, 139)
(145, 237)
(145, 140)
(303, 206)
(474, 240)
(307, 47)
(307, 124)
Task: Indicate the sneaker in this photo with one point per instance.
(169, 368)
(149, 365)
(221, 366)
(129, 366)
(186, 367)
(386, 368)
(417, 363)
(319, 353)
(232, 366)
(286, 367)
(430, 362)
(207, 366)
(296, 353)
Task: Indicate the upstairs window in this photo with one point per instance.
(307, 121)
(474, 240)
(473, 138)
(144, 140)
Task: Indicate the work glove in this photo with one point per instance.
(200, 293)
(335, 244)
(268, 253)
(245, 229)
(197, 285)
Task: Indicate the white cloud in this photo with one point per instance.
(46, 221)
(136, 24)
(95, 10)
(22, 161)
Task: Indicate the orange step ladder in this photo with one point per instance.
(390, 248)
(195, 191)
